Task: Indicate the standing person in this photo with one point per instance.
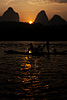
(47, 43)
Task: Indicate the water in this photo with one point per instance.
(24, 77)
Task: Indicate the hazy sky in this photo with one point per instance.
(28, 9)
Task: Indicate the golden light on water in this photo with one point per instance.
(30, 22)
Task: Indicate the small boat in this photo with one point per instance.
(35, 53)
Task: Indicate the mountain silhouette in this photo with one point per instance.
(57, 20)
(10, 15)
(42, 18)
(42, 29)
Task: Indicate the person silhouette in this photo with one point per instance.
(30, 50)
(47, 43)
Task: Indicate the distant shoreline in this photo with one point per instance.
(19, 31)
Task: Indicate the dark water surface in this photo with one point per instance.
(24, 77)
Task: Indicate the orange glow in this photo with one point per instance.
(28, 66)
(30, 51)
(30, 22)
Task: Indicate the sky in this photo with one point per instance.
(28, 9)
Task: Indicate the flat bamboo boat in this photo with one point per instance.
(35, 53)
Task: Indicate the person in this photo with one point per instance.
(47, 43)
(30, 50)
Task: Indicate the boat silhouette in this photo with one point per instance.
(35, 53)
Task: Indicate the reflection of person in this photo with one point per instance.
(47, 46)
(31, 48)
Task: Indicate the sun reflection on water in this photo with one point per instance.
(30, 77)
